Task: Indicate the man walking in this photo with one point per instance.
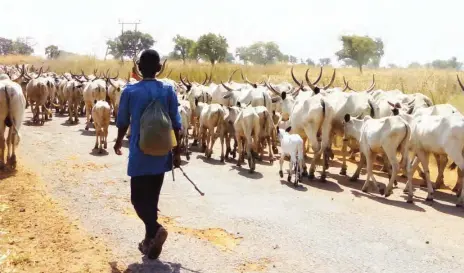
(146, 171)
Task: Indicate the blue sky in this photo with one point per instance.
(412, 30)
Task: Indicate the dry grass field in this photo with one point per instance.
(440, 85)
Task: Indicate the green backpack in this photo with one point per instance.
(155, 130)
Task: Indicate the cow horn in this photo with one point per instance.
(162, 68)
(247, 81)
(319, 77)
(460, 83)
(272, 88)
(372, 85)
(110, 81)
(137, 69)
(346, 84)
(232, 75)
(182, 81)
(294, 78)
(331, 81)
(83, 74)
(210, 77)
(310, 84)
(206, 79)
(40, 72)
(226, 87)
(169, 73)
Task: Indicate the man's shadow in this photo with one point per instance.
(151, 266)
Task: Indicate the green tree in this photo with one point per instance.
(260, 53)
(212, 47)
(324, 61)
(183, 46)
(52, 51)
(452, 63)
(310, 62)
(243, 54)
(193, 53)
(129, 44)
(229, 58)
(174, 55)
(21, 47)
(292, 59)
(6, 46)
(272, 52)
(360, 49)
(414, 65)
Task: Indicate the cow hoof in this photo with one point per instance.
(311, 176)
(405, 191)
(195, 143)
(343, 172)
(354, 178)
(323, 178)
(188, 157)
(100, 151)
(429, 199)
(409, 201)
(387, 194)
(96, 147)
(105, 146)
(305, 173)
(275, 150)
(222, 159)
(281, 174)
(382, 191)
(364, 190)
(271, 161)
(87, 127)
(289, 178)
(395, 183)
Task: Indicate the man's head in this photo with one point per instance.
(149, 63)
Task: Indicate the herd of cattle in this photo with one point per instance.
(257, 116)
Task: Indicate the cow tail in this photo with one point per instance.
(405, 145)
(8, 119)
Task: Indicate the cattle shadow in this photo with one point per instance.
(322, 185)
(386, 201)
(450, 209)
(30, 123)
(292, 186)
(87, 132)
(7, 172)
(69, 123)
(246, 173)
(151, 266)
(211, 161)
(96, 152)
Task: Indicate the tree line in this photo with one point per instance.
(356, 51)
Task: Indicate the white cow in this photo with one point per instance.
(12, 107)
(93, 91)
(101, 113)
(443, 135)
(211, 117)
(387, 135)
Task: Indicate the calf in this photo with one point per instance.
(388, 135)
(101, 113)
(291, 145)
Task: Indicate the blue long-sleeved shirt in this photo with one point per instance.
(134, 99)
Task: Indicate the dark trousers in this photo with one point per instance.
(145, 191)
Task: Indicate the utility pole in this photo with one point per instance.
(122, 23)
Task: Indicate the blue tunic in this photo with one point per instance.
(134, 99)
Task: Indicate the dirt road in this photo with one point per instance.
(246, 222)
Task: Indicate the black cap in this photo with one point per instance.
(149, 56)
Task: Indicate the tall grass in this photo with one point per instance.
(440, 85)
